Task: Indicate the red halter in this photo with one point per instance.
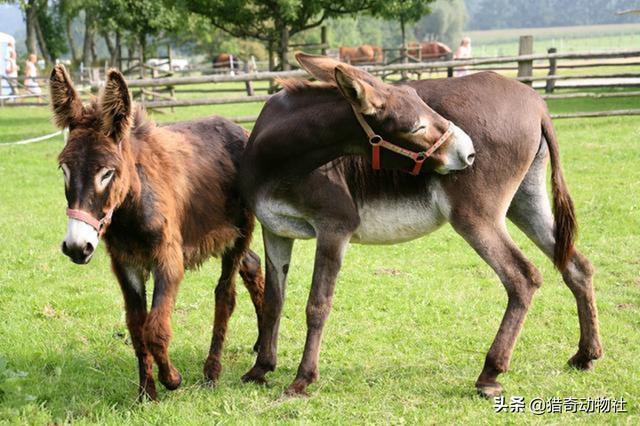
(377, 141)
(99, 225)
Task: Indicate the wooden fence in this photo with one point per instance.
(526, 64)
(152, 92)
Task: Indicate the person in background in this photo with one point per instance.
(463, 52)
(12, 71)
(30, 74)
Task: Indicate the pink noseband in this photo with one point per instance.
(99, 225)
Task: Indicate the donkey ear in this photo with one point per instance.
(365, 97)
(65, 102)
(320, 67)
(116, 106)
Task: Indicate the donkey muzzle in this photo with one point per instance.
(80, 242)
(460, 152)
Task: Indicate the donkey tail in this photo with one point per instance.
(564, 214)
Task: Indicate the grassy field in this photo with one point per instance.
(404, 344)
(578, 38)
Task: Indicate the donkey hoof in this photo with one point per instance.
(212, 370)
(581, 362)
(297, 388)
(254, 377)
(489, 390)
(172, 383)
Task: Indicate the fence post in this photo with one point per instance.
(141, 60)
(449, 57)
(172, 89)
(248, 84)
(525, 68)
(553, 67)
(323, 39)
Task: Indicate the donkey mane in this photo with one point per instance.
(141, 127)
(294, 85)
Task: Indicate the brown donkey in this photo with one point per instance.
(164, 199)
(307, 126)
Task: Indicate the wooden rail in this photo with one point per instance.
(155, 89)
(560, 116)
(419, 66)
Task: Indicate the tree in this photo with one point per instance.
(272, 21)
(43, 27)
(445, 23)
(69, 10)
(139, 20)
(50, 31)
(405, 11)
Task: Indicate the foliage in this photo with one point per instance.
(404, 11)
(358, 30)
(445, 23)
(265, 19)
(272, 21)
(140, 18)
(51, 25)
(407, 11)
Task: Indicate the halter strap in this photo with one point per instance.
(99, 225)
(377, 142)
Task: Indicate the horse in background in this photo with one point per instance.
(164, 199)
(428, 50)
(226, 61)
(361, 55)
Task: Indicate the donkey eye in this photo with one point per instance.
(107, 175)
(419, 129)
(103, 178)
(65, 173)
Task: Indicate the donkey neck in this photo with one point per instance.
(297, 136)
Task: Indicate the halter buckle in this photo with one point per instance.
(375, 139)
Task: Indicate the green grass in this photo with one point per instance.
(577, 38)
(407, 337)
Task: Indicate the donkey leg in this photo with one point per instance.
(251, 274)
(329, 254)
(278, 255)
(520, 278)
(531, 212)
(225, 304)
(132, 282)
(167, 275)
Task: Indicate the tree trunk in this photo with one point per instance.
(110, 47)
(403, 51)
(272, 59)
(272, 64)
(72, 44)
(141, 56)
(404, 40)
(89, 36)
(31, 18)
(118, 58)
(42, 43)
(94, 49)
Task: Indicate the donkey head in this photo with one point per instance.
(96, 172)
(397, 114)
